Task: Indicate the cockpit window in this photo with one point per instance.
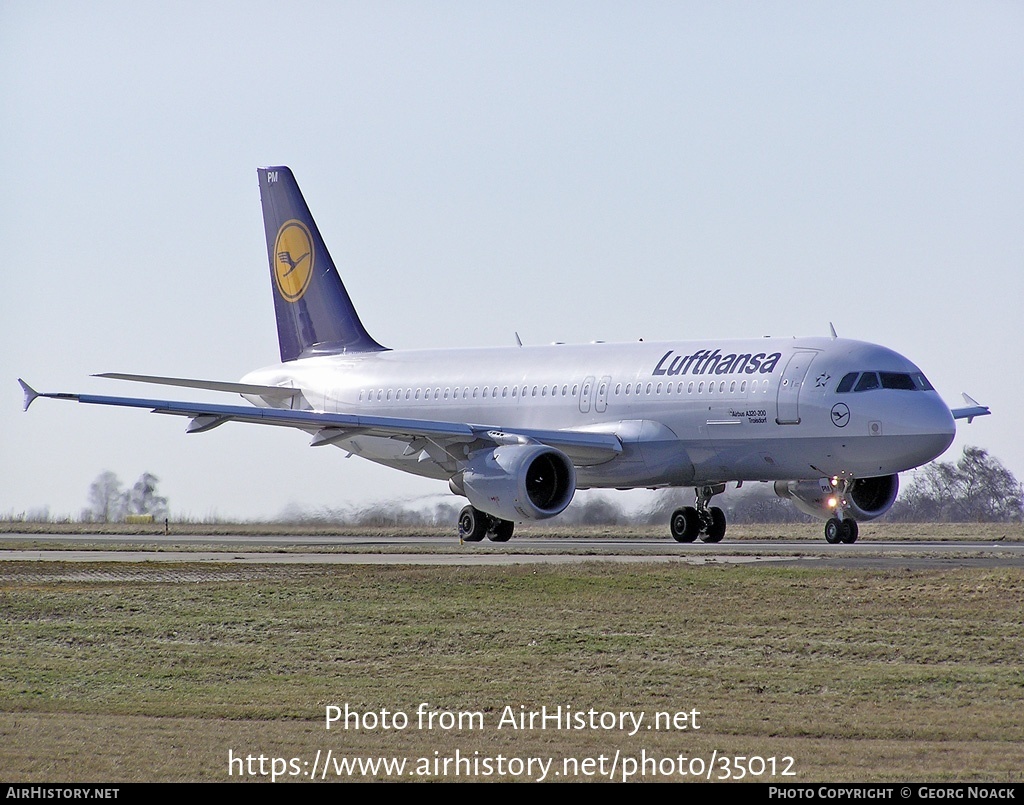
(868, 381)
(922, 382)
(846, 383)
(897, 380)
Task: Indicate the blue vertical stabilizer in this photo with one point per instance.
(315, 315)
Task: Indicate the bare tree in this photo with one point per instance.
(106, 498)
(978, 488)
(109, 502)
(592, 510)
(143, 499)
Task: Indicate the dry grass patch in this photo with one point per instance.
(446, 534)
(829, 666)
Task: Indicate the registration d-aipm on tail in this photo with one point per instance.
(832, 422)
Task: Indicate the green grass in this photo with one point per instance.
(858, 674)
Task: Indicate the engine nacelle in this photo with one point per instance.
(518, 482)
(864, 499)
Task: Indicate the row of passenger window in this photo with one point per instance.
(693, 387)
(866, 381)
(515, 392)
(459, 392)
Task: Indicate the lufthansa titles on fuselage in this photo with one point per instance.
(705, 362)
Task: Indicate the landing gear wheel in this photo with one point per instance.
(710, 519)
(834, 531)
(716, 528)
(472, 525)
(501, 530)
(850, 532)
(685, 524)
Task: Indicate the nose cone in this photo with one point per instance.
(927, 428)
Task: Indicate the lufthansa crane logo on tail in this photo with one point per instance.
(293, 259)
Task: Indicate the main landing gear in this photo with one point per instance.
(706, 522)
(474, 525)
(844, 530)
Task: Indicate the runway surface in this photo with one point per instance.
(287, 549)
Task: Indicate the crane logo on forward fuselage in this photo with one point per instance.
(293, 259)
(840, 415)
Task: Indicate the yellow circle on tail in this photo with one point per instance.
(293, 259)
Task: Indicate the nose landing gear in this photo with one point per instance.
(840, 528)
(837, 531)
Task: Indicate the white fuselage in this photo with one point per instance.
(687, 413)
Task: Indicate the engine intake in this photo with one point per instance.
(865, 498)
(518, 482)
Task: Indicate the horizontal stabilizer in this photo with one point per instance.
(973, 409)
(267, 392)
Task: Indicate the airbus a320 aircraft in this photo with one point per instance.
(518, 430)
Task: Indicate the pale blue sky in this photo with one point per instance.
(571, 171)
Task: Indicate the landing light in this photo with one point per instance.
(832, 503)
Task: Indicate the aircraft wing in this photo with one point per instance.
(328, 428)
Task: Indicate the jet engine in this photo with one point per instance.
(863, 499)
(518, 482)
